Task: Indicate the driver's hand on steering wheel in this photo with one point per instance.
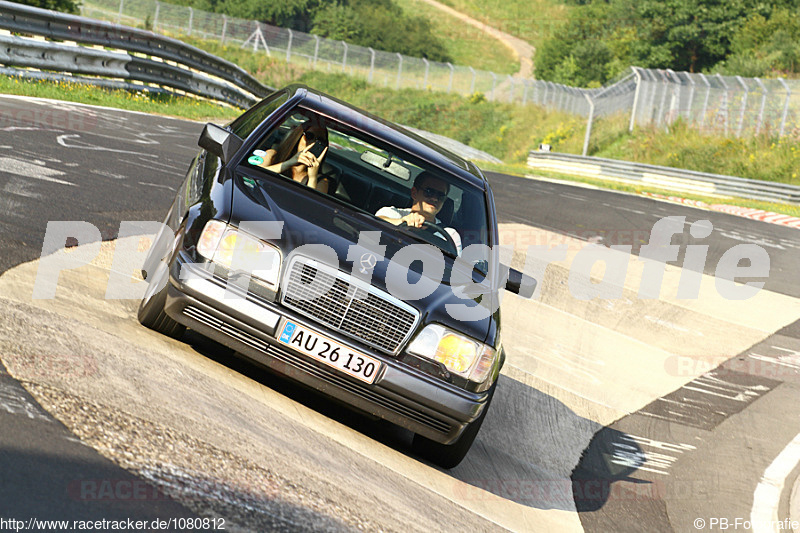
(414, 220)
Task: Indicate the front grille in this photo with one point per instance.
(368, 315)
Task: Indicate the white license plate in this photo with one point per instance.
(329, 351)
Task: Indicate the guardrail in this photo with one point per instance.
(243, 91)
(668, 178)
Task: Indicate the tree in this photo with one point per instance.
(379, 24)
(294, 14)
(577, 54)
(688, 35)
(765, 44)
(67, 6)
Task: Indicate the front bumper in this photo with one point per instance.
(401, 394)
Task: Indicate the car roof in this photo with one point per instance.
(388, 131)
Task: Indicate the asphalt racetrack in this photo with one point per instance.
(612, 414)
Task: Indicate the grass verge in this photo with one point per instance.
(530, 20)
(161, 104)
(467, 45)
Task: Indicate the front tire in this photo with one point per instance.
(449, 456)
(151, 310)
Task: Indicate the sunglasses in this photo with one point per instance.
(434, 194)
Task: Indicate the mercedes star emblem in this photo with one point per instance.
(368, 262)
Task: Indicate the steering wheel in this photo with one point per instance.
(437, 231)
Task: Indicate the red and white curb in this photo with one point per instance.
(747, 212)
(758, 214)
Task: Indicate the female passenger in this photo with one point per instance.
(300, 155)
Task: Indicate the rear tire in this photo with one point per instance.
(449, 456)
(151, 310)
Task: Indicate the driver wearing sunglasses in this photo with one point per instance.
(427, 198)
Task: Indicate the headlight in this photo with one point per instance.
(237, 250)
(459, 354)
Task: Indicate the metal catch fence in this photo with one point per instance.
(725, 105)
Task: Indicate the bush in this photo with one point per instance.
(67, 6)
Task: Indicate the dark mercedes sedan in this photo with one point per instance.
(347, 254)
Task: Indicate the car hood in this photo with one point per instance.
(312, 218)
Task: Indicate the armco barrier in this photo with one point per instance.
(53, 25)
(60, 57)
(668, 178)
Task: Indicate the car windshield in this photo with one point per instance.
(373, 177)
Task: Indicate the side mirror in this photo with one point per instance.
(519, 283)
(219, 142)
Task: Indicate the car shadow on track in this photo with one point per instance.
(532, 449)
(536, 451)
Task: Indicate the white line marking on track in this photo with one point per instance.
(31, 170)
(69, 141)
(107, 174)
(19, 187)
(723, 389)
(157, 185)
(14, 401)
(764, 514)
(654, 460)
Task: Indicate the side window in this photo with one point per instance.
(244, 125)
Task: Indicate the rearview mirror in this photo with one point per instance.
(219, 142)
(519, 283)
(387, 164)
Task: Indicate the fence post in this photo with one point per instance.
(574, 98)
(544, 98)
(119, 15)
(289, 46)
(705, 101)
(494, 82)
(255, 38)
(763, 104)
(399, 69)
(191, 19)
(785, 106)
(524, 92)
(472, 85)
(691, 95)
(452, 74)
(725, 86)
(510, 89)
(155, 16)
(344, 57)
(371, 64)
(744, 105)
(425, 80)
(316, 50)
(588, 123)
(663, 97)
(675, 100)
(635, 96)
(224, 29)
